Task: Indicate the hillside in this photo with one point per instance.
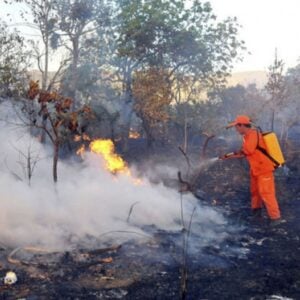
(243, 78)
(250, 77)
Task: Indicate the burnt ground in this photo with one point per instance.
(257, 262)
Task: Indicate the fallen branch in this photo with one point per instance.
(124, 231)
(15, 261)
(2, 246)
(104, 250)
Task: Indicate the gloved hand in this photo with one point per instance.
(223, 157)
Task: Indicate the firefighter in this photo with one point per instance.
(262, 186)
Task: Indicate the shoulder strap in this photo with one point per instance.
(264, 151)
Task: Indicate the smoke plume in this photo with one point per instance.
(86, 203)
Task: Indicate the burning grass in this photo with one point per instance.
(114, 163)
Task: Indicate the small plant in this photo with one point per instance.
(54, 115)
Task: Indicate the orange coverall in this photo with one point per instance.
(262, 184)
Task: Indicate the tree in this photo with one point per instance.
(186, 92)
(44, 20)
(276, 88)
(289, 115)
(77, 19)
(64, 122)
(187, 42)
(41, 16)
(14, 61)
(152, 96)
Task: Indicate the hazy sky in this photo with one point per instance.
(267, 24)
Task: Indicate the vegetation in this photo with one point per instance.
(151, 70)
(158, 66)
(53, 114)
(13, 62)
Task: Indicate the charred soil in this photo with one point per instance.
(258, 262)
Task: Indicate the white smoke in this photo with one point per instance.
(87, 201)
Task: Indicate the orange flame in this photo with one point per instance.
(81, 150)
(85, 137)
(114, 163)
(133, 134)
(77, 138)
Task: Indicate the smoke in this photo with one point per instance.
(86, 203)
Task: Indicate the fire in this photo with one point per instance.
(81, 150)
(77, 138)
(84, 137)
(114, 163)
(133, 134)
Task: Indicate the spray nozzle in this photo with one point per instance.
(227, 155)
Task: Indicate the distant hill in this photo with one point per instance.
(243, 78)
(36, 75)
(250, 77)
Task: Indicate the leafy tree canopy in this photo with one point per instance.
(184, 40)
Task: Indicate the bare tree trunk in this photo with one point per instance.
(74, 71)
(46, 62)
(112, 124)
(29, 167)
(55, 160)
(149, 135)
(127, 112)
(286, 138)
(45, 82)
(185, 138)
(272, 120)
(282, 134)
(125, 135)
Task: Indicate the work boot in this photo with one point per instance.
(257, 212)
(276, 222)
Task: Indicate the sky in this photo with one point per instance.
(266, 25)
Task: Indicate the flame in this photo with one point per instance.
(77, 138)
(133, 134)
(81, 150)
(114, 162)
(85, 137)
